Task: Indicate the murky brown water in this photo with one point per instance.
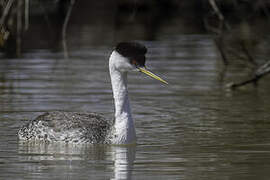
(190, 129)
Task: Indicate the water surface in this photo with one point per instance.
(189, 129)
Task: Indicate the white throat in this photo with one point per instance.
(124, 127)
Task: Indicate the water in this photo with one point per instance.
(189, 129)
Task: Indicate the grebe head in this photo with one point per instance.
(130, 56)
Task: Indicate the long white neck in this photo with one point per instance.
(124, 126)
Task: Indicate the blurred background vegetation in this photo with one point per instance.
(239, 28)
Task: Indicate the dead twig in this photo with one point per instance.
(19, 28)
(26, 15)
(216, 9)
(262, 71)
(247, 53)
(64, 28)
(218, 30)
(5, 12)
(219, 45)
(222, 23)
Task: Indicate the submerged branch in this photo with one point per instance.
(247, 53)
(262, 71)
(219, 45)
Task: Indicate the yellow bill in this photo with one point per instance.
(145, 71)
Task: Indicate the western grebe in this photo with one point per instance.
(76, 127)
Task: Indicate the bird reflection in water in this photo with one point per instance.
(117, 161)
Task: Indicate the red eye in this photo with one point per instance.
(134, 62)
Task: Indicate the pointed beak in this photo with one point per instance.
(147, 72)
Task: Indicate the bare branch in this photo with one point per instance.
(6, 11)
(64, 28)
(262, 71)
(26, 15)
(19, 28)
(216, 9)
(219, 45)
(246, 51)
